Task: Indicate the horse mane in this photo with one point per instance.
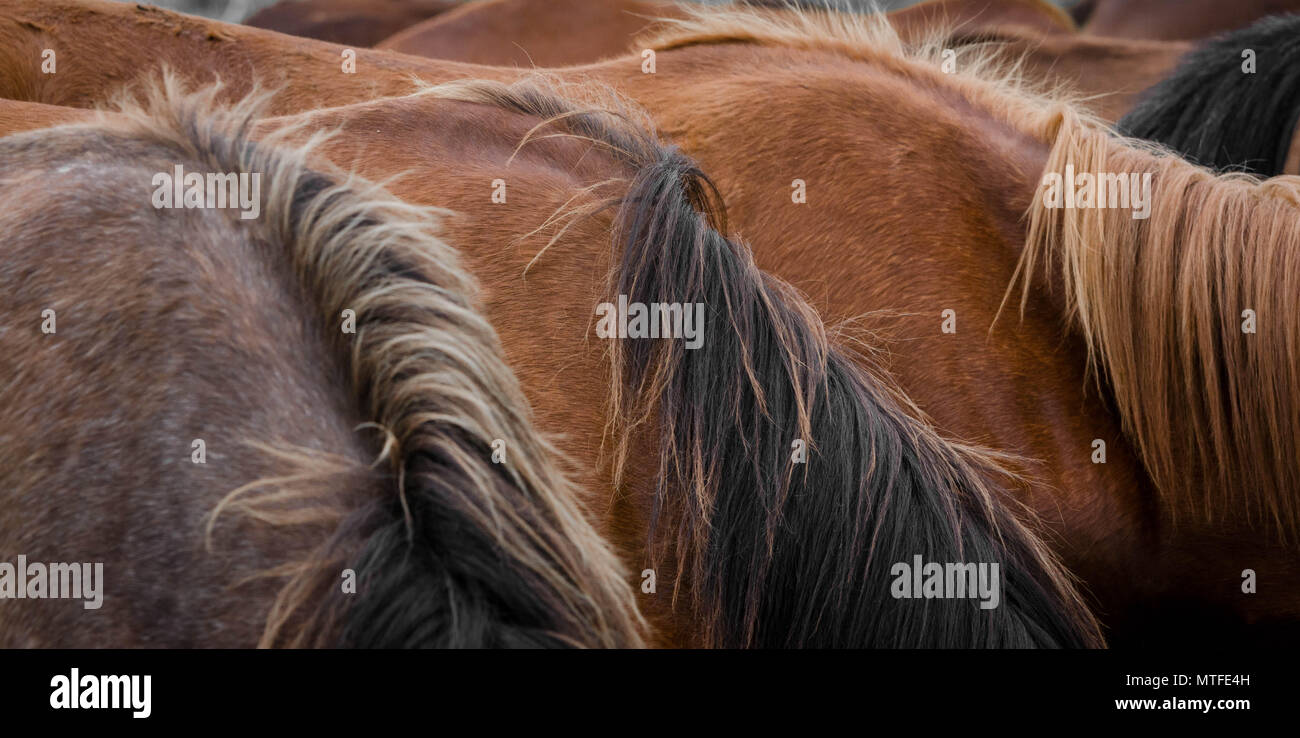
(772, 552)
(1216, 115)
(1061, 16)
(449, 549)
(1159, 301)
(839, 6)
(852, 27)
(1211, 408)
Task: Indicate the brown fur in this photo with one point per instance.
(350, 451)
(641, 469)
(531, 33)
(1176, 19)
(361, 23)
(100, 46)
(971, 16)
(1106, 74)
(937, 170)
(555, 33)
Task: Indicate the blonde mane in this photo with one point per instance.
(426, 371)
(1206, 390)
(1160, 302)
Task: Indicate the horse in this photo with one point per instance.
(955, 161)
(1032, 35)
(362, 23)
(32, 30)
(1173, 20)
(921, 483)
(922, 496)
(248, 451)
(1176, 523)
(1214, 112)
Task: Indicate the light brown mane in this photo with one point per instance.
(1159, 302)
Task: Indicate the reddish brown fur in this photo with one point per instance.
(552, 33)
(524, 33)
(527, 33)
(348, 22)
(1109, 73)
(1177, 19)
(95, 51)
(24, 116)
(938, 225)
(967, 16)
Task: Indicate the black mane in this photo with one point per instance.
(1216, 115)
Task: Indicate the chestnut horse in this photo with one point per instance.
(199, 367)
(1230, 109)
(954, 162)
(349, 22)
(816, 545)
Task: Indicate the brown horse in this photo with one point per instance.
(921, 497)
(189, 374)
(1186, 532)
(1164, 522)
(699, 460)
(349, 22)
(954, 162)
(1109, 73)
(1174, 19)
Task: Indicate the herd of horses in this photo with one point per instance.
(380, 414)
